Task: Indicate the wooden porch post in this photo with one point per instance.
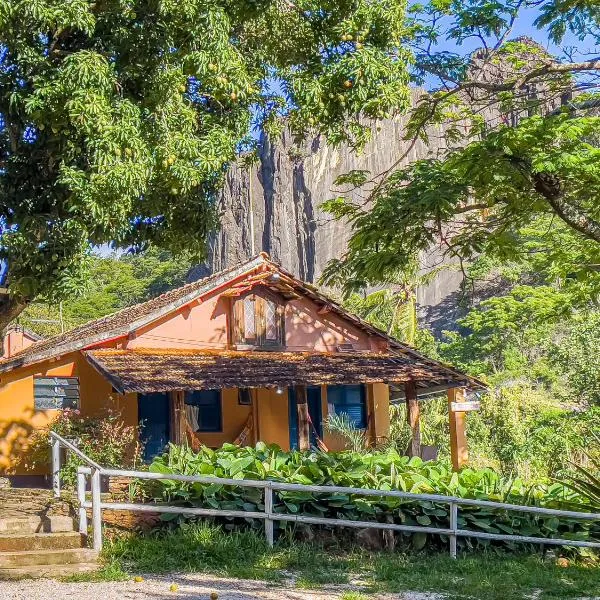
(458, 437)
(413, 416)
(177, 416)
(303, 418)
(371, 424)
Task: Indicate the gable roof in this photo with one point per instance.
(131, 318)
(126, 320)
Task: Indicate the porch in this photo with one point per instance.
(214, 397)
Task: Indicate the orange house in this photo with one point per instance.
(248, 354)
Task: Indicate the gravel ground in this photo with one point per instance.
(189, 587)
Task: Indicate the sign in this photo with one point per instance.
(55, 393)
(464, 406)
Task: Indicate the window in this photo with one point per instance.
(55, 393)
(203, 410)
(349, 400)
(258, 321)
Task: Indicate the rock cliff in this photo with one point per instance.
(275, 206)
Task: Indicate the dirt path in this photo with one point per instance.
(189, 587)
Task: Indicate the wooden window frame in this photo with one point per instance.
(259, 341)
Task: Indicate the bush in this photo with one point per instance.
(104, 438)
(377, 470)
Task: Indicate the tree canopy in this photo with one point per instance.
(118, 118)
(521, 136)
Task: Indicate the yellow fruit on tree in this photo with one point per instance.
(347, 84)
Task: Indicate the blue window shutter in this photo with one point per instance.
(349, 400)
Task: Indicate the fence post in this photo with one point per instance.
(96, 510)
(55, 466)
(269, 511)
(83, 520)
(454, 527)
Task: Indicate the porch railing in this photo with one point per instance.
(269, 516)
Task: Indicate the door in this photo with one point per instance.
(313, 399)
(153, 416)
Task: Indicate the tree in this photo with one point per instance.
(521, 139)
(118, 118)
(111, 283)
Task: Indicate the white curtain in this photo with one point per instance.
(191, 414)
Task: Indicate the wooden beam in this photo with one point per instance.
(458, 438)
(177, 417)
(303, 418)
(413, 417)
(371, 425)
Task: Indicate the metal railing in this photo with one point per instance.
(269, 516)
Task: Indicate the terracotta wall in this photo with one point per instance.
(18, 417)
(273, 421)
(204, 326)
(14, 341)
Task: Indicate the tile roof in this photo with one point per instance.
(125, 320)
(152, 370)
(129, 319)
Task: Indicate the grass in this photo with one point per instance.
(206, 548)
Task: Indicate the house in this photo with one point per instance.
(251, 353)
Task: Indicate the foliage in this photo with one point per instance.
(105, 438)
(111, 283)
(587, 481)
(343, 426)
(574, 353)
(378, 470)
(519, 130)
(118, 119)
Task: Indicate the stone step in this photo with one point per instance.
(36, 524)
(48, 571)
(11, 560)
(18, 542)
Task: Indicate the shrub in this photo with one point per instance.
(104, 438)
(383, 470)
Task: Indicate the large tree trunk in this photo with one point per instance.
(10, 309)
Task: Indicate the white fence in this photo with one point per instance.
(95, 472)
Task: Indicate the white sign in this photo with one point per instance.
(464, 406)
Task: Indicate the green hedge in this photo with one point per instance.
(377, 470)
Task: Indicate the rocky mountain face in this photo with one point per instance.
(274, 206)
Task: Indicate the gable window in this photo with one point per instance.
(55, 393)
(258, 321)
(203, 410)
(350, 400)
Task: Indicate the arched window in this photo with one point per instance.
(258, 321)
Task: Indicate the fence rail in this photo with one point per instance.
(95, 472)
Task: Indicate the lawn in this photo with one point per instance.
(488, 576)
